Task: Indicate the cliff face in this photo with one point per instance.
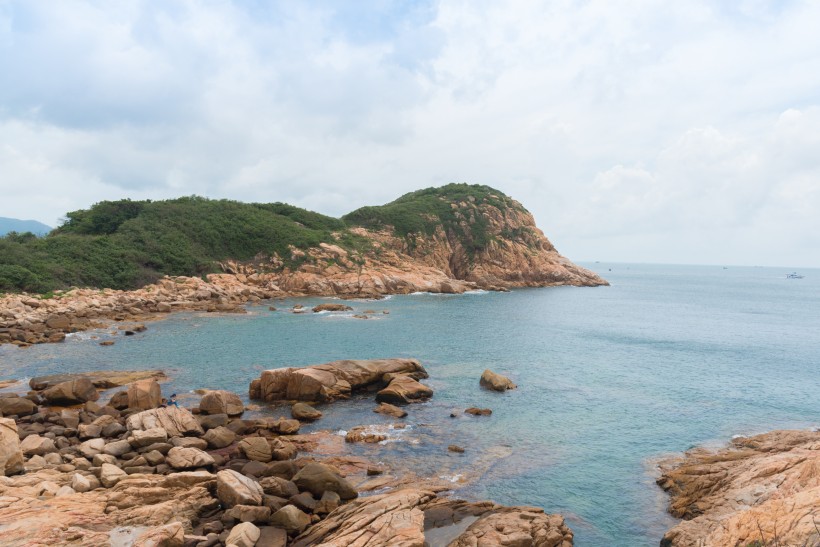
(761, 490)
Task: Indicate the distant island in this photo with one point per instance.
(8, 225)
(456, 237)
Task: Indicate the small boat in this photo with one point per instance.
(794, 275)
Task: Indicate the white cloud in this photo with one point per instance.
(637, 130)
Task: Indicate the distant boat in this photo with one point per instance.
(794, 275)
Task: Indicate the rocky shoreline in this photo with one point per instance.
(132, 472)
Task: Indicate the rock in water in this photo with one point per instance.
(390, 410)
(11, 456)
(496, 382)
(305, 412)
(331, 307)
(403, 390)
(72, 392)
(221, 402)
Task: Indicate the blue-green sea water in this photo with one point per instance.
(610, 379)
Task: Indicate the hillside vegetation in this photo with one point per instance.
(126, 244)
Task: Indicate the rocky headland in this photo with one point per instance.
(758, 491)
(133, 472)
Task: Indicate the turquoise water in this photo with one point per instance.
(610, 379)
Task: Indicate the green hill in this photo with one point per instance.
(126, 244)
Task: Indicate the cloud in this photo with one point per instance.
(638, 131)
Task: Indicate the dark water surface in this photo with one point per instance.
(610, 379)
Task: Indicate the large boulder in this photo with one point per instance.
(495, 382)
(176, 421)
(221, 402)
(245, 534)
(233, 488)
(35, 445)
(403, 390)
(11, 457)
(19, 406)
(304, 412)
(330, 381)
(144, 395)
(317, 478)
(256, 449)
(219, 437)
(291, 518)
(72, 392)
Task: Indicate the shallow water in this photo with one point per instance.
(610, 378)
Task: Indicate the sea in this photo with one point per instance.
(611, 380)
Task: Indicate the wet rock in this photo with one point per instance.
(304, 501)
(305, 412)
(330, 381)
(243, 535)
(455, 448)
(495, 382)
(221, 402)
(390, 410)
(364, 434)
(403, 390)
(188, 458)
(291, 519)
(11, 456)
(144, 395)
(236, 489)
(272, 537)
(331, 307)
(71, 393)
(478, 411)
(317, 478)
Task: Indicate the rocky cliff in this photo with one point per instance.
(759, 491)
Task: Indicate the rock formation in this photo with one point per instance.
(761, 490)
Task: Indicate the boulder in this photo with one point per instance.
(364, 434)
(117, 448)
(219, 437)
(256, 449)
(72, 392)
(140, 438)
(331, 307)
(330, 502)
(35, 445)
(276, 486)
(188, 458)
(330, 381)
(243, 535)
(144, 395)
(304, 412)
(291, 519)
(249, 513)
(11, 456)
(233, 488)
(390, 410)
(111, 475)
(495, 382)
(317, 478)
(403, 390)
(176, 421)
(221, 402)
(16, 406)
(102, 379)
(92, 447)
(170, 535)
(282, 450)
(478, 411)
(119, 400)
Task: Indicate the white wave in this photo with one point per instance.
(452, 478)
(477, 291)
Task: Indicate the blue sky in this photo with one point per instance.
(634, 131)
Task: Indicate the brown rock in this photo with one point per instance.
(11, 456)
(219, 437)
(495, 382)
(366, 434)
(331, 307)
(177, 422)
(71, 393)
(305, 412)
(18, 406)
(243, 535)
(249, 513)
(102, 379)
(233, 488)
(279, 487)
(221, 402)
(390, 410)
(403, 390)
(256, 449)
(188, 458)
(37, 445)
(516, 526)
(144, 395)
(317, 478)
(455, 448)
(331, 381)
(291, 519)
(170, 535)
(478, 411)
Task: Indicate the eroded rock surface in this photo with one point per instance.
(763, 489)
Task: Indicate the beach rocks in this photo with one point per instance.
(478, 411)
(219, 437)
(402, 390)
(17, 406)
(176, 422)
(761, 490)
(243, 535)
(37, 445)
(290, 518)
(144, 395)
(317, 478)
(102, 379)
(304, 412)
(71, 393)
(111, 474)
(331, 307)
(390, 410)
(11, 456)
(188, 458)
(256, 449)
(365, 434)
(221, 402)
(329, 381)
(495, 382)
(233, 488)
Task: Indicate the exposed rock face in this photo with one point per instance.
(516, 526)
(102, 379)
(11, 457)
(763, 489)
(496, 382)
(330, 381)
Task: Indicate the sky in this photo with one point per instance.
(634, 131)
